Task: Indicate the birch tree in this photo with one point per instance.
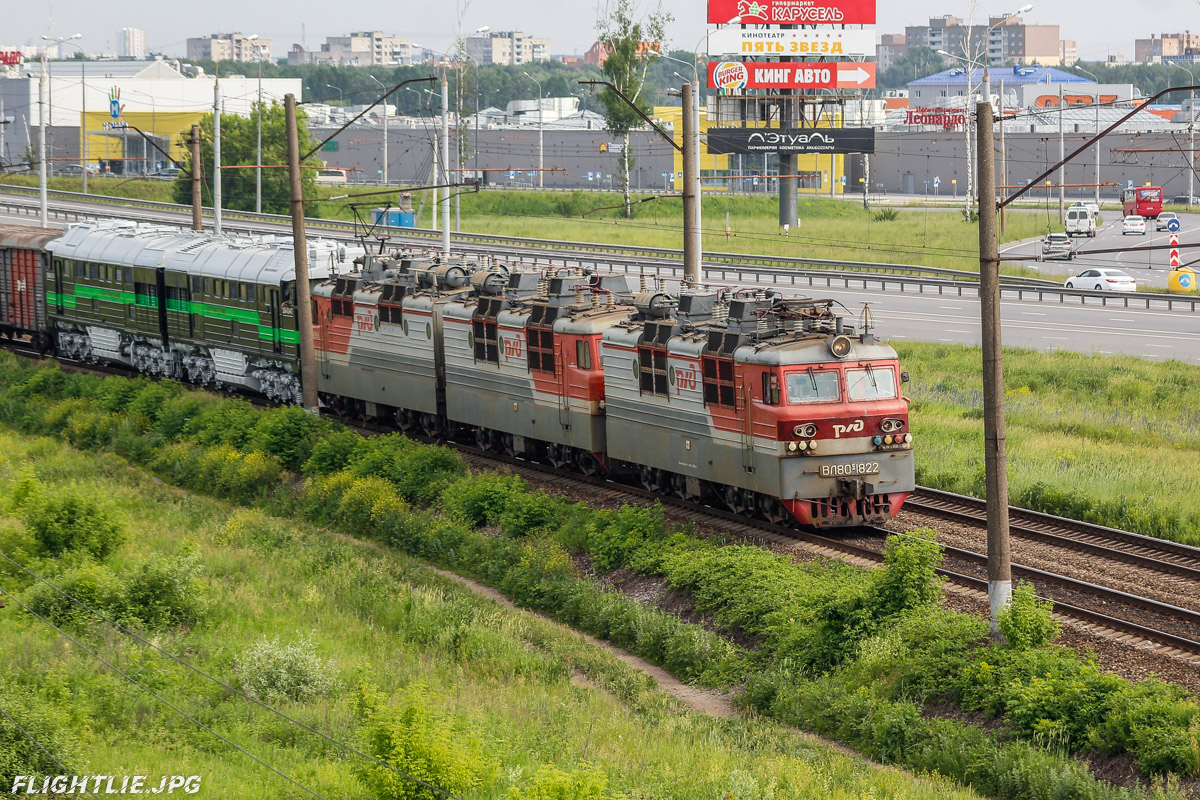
(631, 40)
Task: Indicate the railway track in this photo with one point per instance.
(1171, 629)
(1112, 625)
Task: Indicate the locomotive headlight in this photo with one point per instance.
(840, 346)
(805, 431)
(891, 425)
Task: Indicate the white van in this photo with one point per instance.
(330, 175)
(1080, 221)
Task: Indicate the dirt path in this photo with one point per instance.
(710, 702)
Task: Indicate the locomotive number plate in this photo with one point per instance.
(839, 470)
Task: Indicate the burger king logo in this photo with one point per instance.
(731, 75)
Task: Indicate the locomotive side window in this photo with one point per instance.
(770, 388)
(583, 354)
(540, 344)
(652, 366)
(812, 386)
(872, 383)
(718, 382)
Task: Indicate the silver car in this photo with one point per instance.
(1057, 245)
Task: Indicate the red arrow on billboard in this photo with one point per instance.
(734, 75)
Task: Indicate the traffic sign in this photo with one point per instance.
(733, 75)
(1174, 247)
(790, 12)
(936, 180)
(1173, 225)
(843, 180)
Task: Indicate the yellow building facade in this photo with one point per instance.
(815, 171)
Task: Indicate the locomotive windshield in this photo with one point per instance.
(872, 383)
(812, 386)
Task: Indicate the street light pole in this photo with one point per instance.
(43, 203)
(217, 156)
(83, 102)
(540, 140)
(1097, 105)
(385, 131)
(1191, 135)
(445, 168)
(258, 146)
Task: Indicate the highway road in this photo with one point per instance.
(1048, 325)
(1148, 267)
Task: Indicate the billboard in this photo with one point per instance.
(826, 41)
(793, 12)
(735, 75)
(939, 117)
(787, 141)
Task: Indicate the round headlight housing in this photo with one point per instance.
(840, 346)
(806, 430)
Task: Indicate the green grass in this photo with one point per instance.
(499, 677)
(1111, 429)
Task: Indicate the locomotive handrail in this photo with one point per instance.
(732, 273)
(765, 262)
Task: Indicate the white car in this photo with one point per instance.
(1102, 280)
(1133, 224)
(1160, 224)
(1056, 245)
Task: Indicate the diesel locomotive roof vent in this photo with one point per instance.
(696, 307)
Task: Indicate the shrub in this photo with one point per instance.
(66, 518)
(550, 783)
(534, 512)
(886, 215)
(228, 422)
(332, 452)
(176, 412)
(288, 434)
(44, 724)
(1026, 621)
(93, 584)
(618, 534)
(321, 496)
(270, 671)
(418, 739)
(420, 472)
(358, 502)
(481, 499)
(909, 576)
(165, 591)
(149, 401)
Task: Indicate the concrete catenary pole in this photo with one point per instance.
(999, 563)
(445, 168)
(217, 156)
(304, 320)
(1003, 155)
(197, 172)
(691, 238)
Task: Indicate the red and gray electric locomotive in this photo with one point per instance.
(770, 406)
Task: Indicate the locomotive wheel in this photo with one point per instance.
(430, 424)
(588, 464)
(770, 509)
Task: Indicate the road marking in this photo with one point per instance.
(1034, 313)
(945, 340)
(1057, 338)
(950, 330)
(1168, 346)
(951, 308)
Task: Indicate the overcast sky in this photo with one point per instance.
(1099, 26)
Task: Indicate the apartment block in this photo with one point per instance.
(1165, 47)
(891, 46)
(507, 47)
(229, 47)
(1000, 40)
(359, 49)
(131, 43)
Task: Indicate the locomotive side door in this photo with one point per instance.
(564, 387)
(273, 306)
